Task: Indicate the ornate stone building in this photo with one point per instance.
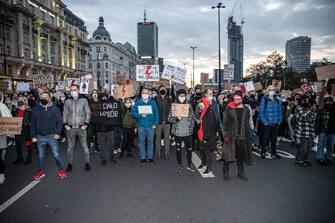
(41, 37)
(108, 59)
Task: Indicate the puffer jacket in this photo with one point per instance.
(184, 126)
(163, 105)
(76, 113)
(270, 111)
(325, 120)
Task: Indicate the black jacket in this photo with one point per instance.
(209, 123)
(164, 105)
(325, 121)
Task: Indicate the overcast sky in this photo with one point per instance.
(185, 23)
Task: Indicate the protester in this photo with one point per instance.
(305, 117)
(129, 125)
(146, 112)
(325, 129)
(207, 131)
(237, 140)
(163, 104)
(270, 113)
(182, 129)
(76, 118)
(60, 105)
(92, 137)
(46, 127)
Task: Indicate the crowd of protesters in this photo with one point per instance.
(222, 126)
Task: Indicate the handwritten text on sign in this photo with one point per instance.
(175, 74)
(180, 110)
(147, 72)
(10, 126)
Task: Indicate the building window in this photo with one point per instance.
(97, 49)
(7, 33)
(105, 48)
(97, 38)
(25, 38)
(90, 49)
(90, 66)
(1, 49)
(98, 65)
(106, 74)
(106, 65)
(8, 52)
(26, 54)
(52, 48)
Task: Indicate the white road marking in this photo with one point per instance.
(197, 161)
(9, 202)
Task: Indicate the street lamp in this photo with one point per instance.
(192, 81)
(219, 6)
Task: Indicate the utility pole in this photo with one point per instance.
(219, 6)
(192, 81)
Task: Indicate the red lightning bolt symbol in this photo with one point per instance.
(148, 71)
(123, 90)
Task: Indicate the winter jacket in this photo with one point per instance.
(270, 111)
(325, 121)
(184, 126)
(46, 120)
(164, 106)
(208, 126)
(128, 120)
(151, 119)
(76, 113)
(305, 122)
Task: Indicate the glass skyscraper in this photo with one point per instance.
(147, 40)
(298, 53)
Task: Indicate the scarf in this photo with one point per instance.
(202, 114)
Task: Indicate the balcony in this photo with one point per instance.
(44, 35)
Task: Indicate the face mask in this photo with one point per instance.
(145, 96)
(162, 92)
(153, 95)
(198, 94)
(62, 98)
(182, 99)
(95, 96)
(272, 93)
(74, 94)
(20, 103)
(225, 100)
(210, 98)
(44, 101)
(238, 101)
(128, 105)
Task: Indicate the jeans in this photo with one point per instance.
(117, 132)
(322, 140)
(92, 136)
(42, 143)
(270, 133)
(188, 145)
(207, 152)
(146, 134)
(303, 149)
(71, 140)
(166, 130)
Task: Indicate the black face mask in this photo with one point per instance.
(20, 103)
(198, 94)
(306, 105)
(162, 92)
(44, 101)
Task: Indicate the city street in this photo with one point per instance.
(277, 191)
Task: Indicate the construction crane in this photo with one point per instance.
(242, 18)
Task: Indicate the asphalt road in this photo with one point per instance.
(277, 191)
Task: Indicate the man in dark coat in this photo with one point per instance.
(237, 142)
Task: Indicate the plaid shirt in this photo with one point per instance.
(305, 122)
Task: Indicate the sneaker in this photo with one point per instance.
(276, 155)
(190, 167)
(201, 167)
(27, 161)
(62, 174)
(2, 178)
(179, 169)
(151, 161)
(207, 172)
(39, 175)
(143, 161)
(119, 150)
(69, 167)
(322, 162)
(158, 156)
(87, 167)
(18, 161)
(263, 156)
(10, 143)
(167, 156)
(173, 143)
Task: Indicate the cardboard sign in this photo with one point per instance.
(10, 126)
(175, 74)
(276, 84)
(180, 110)
(286, 93)
(144, 109)
(204, 78)
(147, 72)
(120, 79)
(43, 80)
(258, 86)
(325, 72)
(228, 86)
(249, 86)
(4, 86)
(124, 91)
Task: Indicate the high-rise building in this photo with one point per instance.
(108, 59)
(235, 48)
(298, 53)
(41, 37)
(147, 41)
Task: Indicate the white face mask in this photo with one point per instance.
(128, 105)
(210, 98)
(182, 99)
(95, 96)
(272, 93)
(145, 96)
(74, 94)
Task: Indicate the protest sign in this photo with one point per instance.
(173, 73)
(84, 83)
(43, 80)
(276, 84)
(147, 72)
(144, 109)
(180, 110)
(107, 112)
(228, 72)
(305, 88)
(204, 78)
(325, 72)
(22, 86)
(61, 85)
(4, 86)
(258, 86)
(286, 93)
(10, 126)
(249, 86)
(124, 91)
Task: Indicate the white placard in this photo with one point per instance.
(249, 86)
(22, 87)
(144, 109)
(228, 72)
(106, 86)
(147, 72)
(61, 85)
(175, 74)
(84, 83)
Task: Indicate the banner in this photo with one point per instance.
(325, 72)
(61, 85)
(10, 126)
(249, 86)
(124, 91)
(175, 74)
(180, 110)
(276, 84)
(204, 78)
(147, 72)
(228, 72)
(43, 80)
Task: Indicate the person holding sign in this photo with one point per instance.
(182, 128)
(146, 113)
